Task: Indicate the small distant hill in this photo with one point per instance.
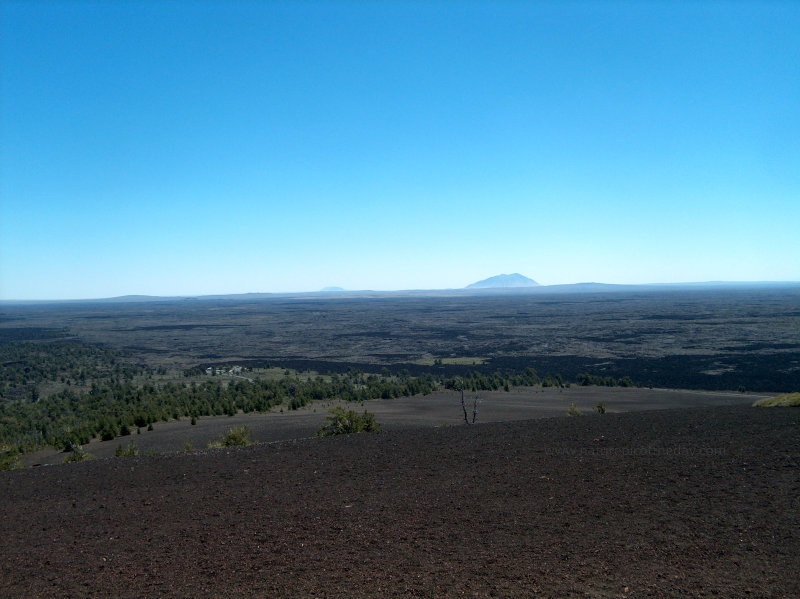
(329, 289)
(504, 281)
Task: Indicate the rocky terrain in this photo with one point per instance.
(670, 503)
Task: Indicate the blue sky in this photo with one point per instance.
(175, 147)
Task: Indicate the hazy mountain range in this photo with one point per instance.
(500, 284)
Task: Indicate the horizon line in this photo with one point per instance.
(334, 292)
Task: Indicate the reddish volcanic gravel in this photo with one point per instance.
(676, 503)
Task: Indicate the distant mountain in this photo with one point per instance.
(504, 282)
(501, 284)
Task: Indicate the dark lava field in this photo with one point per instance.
(678, 338)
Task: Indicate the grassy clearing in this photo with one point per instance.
(787, 400)
(275, 374)
(465, 361)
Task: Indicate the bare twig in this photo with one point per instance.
(464, 407)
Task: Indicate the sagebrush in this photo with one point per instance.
(128, 451)
(238, 435)
(78, 454)
(344, 422)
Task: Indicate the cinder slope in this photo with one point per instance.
(667, 503)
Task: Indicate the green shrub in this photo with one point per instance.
(78, 454)
(126, 452)
(238, 435)
(573, 410)
(341, 422)
(9, 458)
(626, 381)
(109, 433)
(787, 400)
(601, 408)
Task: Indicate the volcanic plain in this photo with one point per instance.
(681, 488)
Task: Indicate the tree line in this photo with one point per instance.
(26, 364)
(98, 393)
(113, 408)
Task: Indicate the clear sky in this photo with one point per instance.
(176, 147)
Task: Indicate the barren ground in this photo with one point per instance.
(438, 409)
(660, 503)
